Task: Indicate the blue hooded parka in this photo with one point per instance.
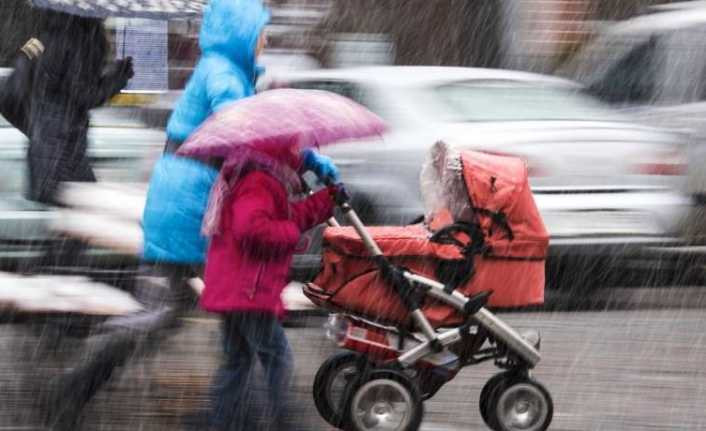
(179, 188)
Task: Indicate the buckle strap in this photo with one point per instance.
(498, 218)
(444, 236)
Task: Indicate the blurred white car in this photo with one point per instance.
(601, 181)
(599, 178)
(655, 66)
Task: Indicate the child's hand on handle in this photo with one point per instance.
(338, 193)
(321, 165)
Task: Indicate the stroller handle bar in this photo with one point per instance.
(433, 288)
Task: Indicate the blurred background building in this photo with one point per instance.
(540, 35)
(532, 35)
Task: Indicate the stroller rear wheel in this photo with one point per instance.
(385, 400)
(331, 383)
(518, 403)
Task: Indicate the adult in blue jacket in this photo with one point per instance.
(231, 39)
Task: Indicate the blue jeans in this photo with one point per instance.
(247, 337)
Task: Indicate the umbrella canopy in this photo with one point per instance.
(265, 128)
(279, 118)
(151, 9)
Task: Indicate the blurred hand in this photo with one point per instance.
(126, 70)
(121, 72)
(321, 165)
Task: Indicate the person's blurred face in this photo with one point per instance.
(261, 44)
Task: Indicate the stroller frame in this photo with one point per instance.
(409, 285)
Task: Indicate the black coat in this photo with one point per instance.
(69, 79)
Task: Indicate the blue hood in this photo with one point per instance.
(226, 71)
(231, 28)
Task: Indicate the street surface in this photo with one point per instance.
(633, 367)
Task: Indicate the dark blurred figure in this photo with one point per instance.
(231, 38)
(54, 92)
(70, 78)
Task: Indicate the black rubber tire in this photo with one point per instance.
(505, 385)
(333, 415)
(399, 377)
(486, 395)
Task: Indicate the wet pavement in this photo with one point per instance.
(621, 369)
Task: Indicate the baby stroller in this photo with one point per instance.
(410, 302)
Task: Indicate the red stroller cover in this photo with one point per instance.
(508, 258)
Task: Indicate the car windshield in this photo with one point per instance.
(517, 102)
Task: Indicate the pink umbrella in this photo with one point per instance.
(279, 118)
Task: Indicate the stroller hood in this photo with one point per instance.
(488, 190)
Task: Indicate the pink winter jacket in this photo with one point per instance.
(248, 262)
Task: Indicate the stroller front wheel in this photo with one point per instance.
(385, 400)
(331, 384)
(519, 403)
(485, 402)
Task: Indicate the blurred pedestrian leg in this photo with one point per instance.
(165, 293)
(248, 337)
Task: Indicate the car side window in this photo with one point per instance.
(682, 66)
(632, 78)
(343, 88)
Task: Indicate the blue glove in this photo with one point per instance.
(321, 165)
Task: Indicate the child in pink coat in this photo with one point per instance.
(257, 232)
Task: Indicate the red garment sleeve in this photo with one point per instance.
(313, 210)
(254, 221)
